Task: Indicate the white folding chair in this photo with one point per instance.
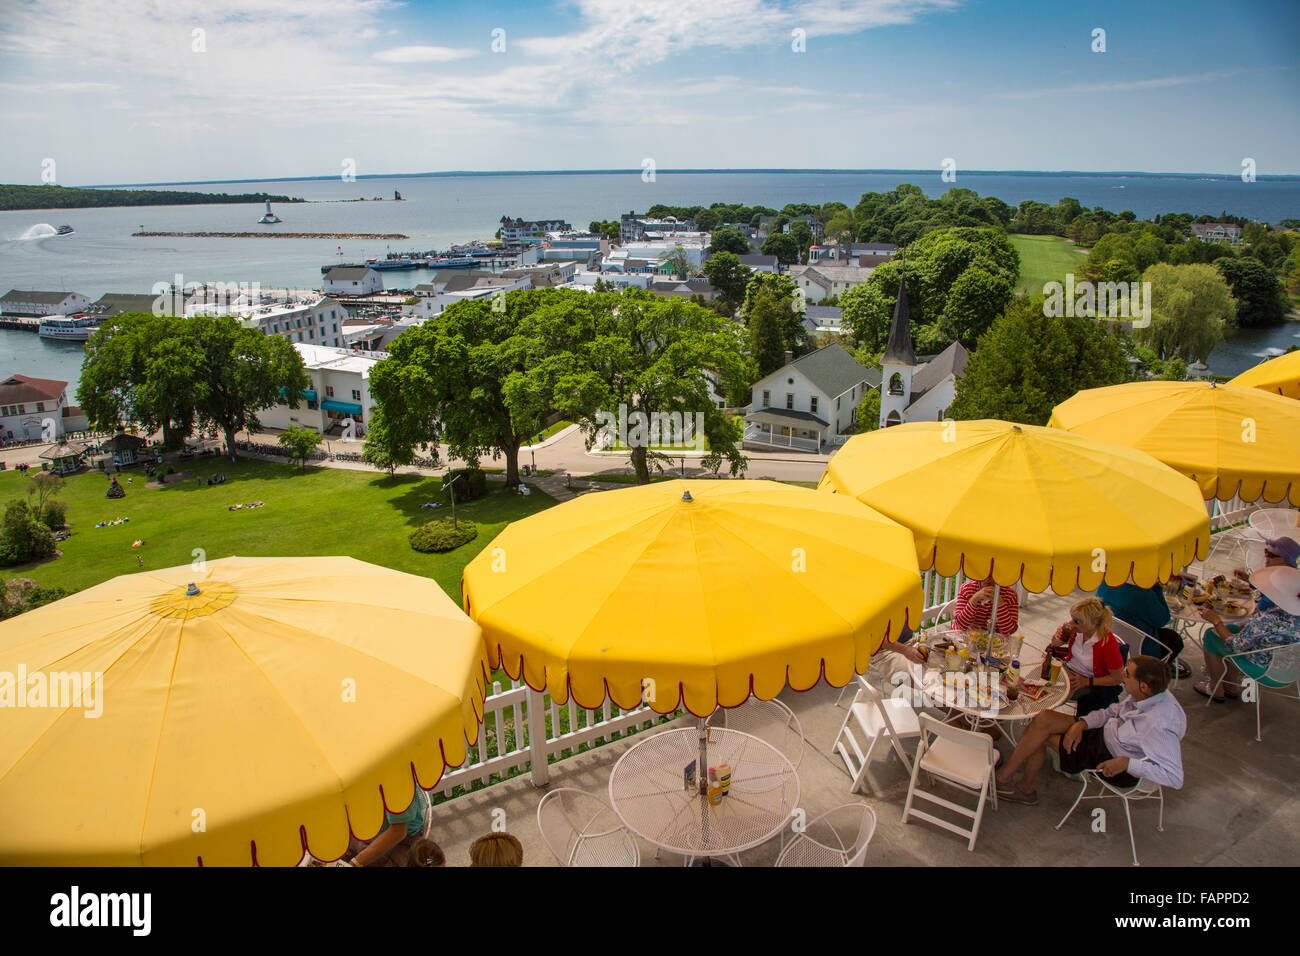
(1283, 670)
(823, 844)
(874, 719)
(580, 829)
(770, 721)
(964, 759)
(1144, 790)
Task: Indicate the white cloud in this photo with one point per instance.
(369, 33)
(424, 54)
(1117, 86)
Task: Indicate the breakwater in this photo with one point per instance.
(274, 235)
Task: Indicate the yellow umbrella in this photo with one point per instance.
(1230, 440)
(1034, 504)
(1279, 375)
(260, 716)
(705, 591)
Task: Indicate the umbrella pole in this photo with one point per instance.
(993, 616)
(703, 769)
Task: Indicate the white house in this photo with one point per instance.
(912, 391)
(27, 404)
(824, 281)
(339, 390)
(808, 402)
(353, 280)
(528, 230)
(19, 302)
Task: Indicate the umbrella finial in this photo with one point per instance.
(1016, 428)
(686, 495)
(192, 590)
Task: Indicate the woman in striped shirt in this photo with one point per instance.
(975, 605)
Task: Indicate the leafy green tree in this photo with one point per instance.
(1261, 297)
(975, 299)
(867, 414)
(730, 240)
(450, 380)
(300, 442)
(1027, 363)
(803, 235)
(706, 220)
(782, 245)
(729, 277)
(141, 368)
(765, 322)
(868, 312)
(22, 536)
(644, 354)
(1118, 270)
(1190, 307)
(840, 228)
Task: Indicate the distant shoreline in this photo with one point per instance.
(1046, 174)
(273, 235)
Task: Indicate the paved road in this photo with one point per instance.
(565, 452)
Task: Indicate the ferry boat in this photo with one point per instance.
(453, 262)
(68, 328)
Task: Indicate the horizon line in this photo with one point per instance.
(1221, 177)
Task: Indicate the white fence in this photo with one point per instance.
(1224, 514)
(766, 436)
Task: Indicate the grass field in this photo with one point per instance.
(317, 511)
(1044, 259)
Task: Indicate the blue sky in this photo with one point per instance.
(119, 91)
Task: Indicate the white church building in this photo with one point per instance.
(910, 390)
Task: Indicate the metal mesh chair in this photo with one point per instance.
(1283, 670)
(1144, 790)
(823, 843)
(580, 829)
(770, 721)
(1271, 523)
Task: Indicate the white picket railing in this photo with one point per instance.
(760, 435)
(1225, 514)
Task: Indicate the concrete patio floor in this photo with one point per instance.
(1237, 806)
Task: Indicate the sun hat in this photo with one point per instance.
(1281, 586)
(1287, 548)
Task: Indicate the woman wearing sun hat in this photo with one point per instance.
(1278, 625)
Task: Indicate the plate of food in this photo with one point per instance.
(1234, 608)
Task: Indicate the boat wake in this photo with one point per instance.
(42, 230)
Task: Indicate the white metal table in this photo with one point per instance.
(647, 792)
(955, 695)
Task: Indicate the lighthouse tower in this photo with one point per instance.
(898, 364)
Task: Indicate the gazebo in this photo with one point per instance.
(123, 448)
(65, 457)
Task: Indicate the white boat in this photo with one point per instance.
(270, 216)
(69, 328)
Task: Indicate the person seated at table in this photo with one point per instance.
(1148, 611)
(1138, 738)
(975, 606)
(1281, 552)
(395, 841)
(1094, 663)
(423, 852)
(1278, 625)
(496, 849)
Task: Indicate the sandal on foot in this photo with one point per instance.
(1202, 687)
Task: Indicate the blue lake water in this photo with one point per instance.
(101, 256)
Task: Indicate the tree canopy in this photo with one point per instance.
(1190, 308)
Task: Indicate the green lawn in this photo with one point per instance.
(557, 427)
(1044, 259)
(319, 511)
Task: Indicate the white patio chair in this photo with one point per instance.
(1282, 671)
(964, 759)
(1271, 523)
(770, 721)
(1144, 790)
(1134, 636)
(823, 844)
(580, 829)
(874, 719)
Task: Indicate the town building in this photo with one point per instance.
(1228, 232)
(767, 264)
(37, 408)
(632, 227)
(309, 318)
(912, 391)
(822, 318)
(528, 231)
(339, 391)
(574, 246)
(684, 288)
(353, 280)
(814, 226)
(824, 281)
(853, 253)
(112, 304)
(809, 402)
(20, 303)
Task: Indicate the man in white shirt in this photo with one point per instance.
(1139, 737)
